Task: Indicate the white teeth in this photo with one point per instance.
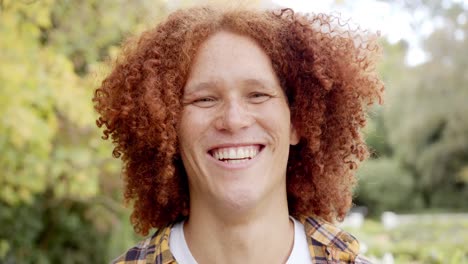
(232, 153)
(235, 155)
(240, 152)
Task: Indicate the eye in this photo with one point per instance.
(258, 97)
(204, 102)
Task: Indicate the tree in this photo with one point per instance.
(57, 178)
(425, 120)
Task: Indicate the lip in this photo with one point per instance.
(241, 165)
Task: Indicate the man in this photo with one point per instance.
(239, 131)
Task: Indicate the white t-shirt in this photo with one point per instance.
(181, 252)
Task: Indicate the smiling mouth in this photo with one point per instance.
(234, 155)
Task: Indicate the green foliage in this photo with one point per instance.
(385, 186)
(39, 100)
(63, 231)
(96, 26)
(421, 241)
(48, 231)
(376, 135)
(425, 117)
(422, 126)
(58, 183)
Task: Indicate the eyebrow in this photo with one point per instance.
(263, 83)
(259, 82)
(199, 86)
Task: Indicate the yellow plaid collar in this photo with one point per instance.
(330, 244)
(327, 244)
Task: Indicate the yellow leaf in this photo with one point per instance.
(8, 195)
(462, 175)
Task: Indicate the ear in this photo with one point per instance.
(294, 136)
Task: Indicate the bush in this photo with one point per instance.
(385, 186)
(60, 231)
(418, 242)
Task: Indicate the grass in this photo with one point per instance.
(441, 241)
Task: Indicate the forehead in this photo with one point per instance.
(229, 57)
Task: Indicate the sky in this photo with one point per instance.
(391, 20)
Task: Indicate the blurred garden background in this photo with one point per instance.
(60, 188)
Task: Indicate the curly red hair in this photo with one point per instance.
(325, 68)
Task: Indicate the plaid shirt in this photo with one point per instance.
(327, 244)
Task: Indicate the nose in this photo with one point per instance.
(234, 116)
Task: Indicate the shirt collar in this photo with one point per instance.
(160, 242)
(330, 236)
(319, 231)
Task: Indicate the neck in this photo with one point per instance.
(242, 237)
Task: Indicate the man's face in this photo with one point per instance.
(235, 128)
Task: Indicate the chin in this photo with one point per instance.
(239, 201)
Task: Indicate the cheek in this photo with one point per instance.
(191, 126)
(183, 131)
(277, 118)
